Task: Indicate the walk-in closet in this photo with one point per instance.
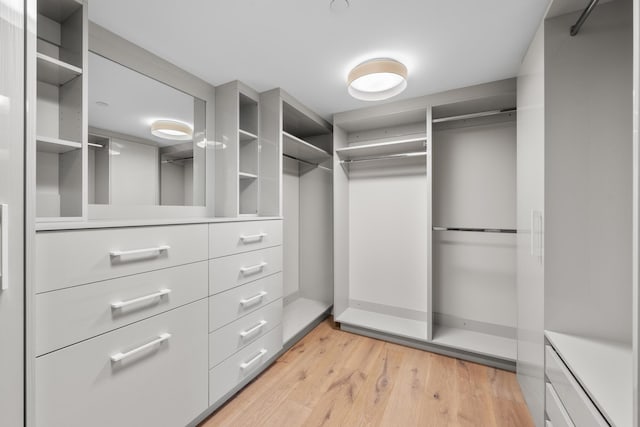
(337, 213)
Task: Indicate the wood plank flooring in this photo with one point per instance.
(334, 378)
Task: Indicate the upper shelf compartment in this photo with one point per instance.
(302, 150)
(409, 147)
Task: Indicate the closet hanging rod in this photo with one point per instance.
(391, 156)
(177, 160)
(306, 162)
(93, 144)
(474, 115)
(477, 230)
(575, 28)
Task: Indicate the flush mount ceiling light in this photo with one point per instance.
(171, 129)
(377, 79)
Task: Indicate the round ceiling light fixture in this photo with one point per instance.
(377, 79)
(172, 129)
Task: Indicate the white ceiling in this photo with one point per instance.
(134, 101)
(307, 49)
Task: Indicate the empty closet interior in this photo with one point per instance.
(588, 307)
(473, 239)
(381, 214)
(307, 209)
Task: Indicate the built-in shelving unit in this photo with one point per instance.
(608, 388)
(248, 155)
(300, 142)
(61, 144)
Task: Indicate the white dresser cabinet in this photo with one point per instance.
(150, 373)
(245, 303)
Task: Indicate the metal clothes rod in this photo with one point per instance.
(177, 160)
(477, 230)
(93, 144)
(575, 28)
(391, 156)
(474, 115)
(306, 162)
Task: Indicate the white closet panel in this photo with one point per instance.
(291, 233)
(387, 234)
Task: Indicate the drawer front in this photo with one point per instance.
(163, 384)
(235, 336)
(70, 258)
(555, 410)
(228, 306)
(241, 365)
(235, 237)
(66, 316)
(234, 270)
(578, 405)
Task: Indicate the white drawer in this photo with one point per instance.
(67, 316)
(162, 385)
(234, 237)
(555, 410)
(241, 365)
(234, 270)
(578, 405)
(70, 258)
(237, 335)
(228, 306)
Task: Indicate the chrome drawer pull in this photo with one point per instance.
(253, 238)
(250, 331)
(255, 358)
(159, 294)
(253, 269)
(4, 247)
(118, 357)
(158, 249)
(254, 299)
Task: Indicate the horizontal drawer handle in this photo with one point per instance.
(157, 249)
(250, 331)
(118, 357)
(254, 299)
(253, 360)
(159, 294)
(253, 269)
(253, 238)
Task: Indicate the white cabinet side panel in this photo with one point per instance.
(530, 198)
(291, 227)
(387, 237)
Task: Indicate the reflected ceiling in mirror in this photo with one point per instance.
(124, 101)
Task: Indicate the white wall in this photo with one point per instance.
(530, 199)
(588, 174)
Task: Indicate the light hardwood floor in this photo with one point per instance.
(334, 378)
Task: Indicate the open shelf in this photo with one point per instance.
(55, 145)
(54, 71)
(58, 10)
(299, 314)
(410, 146)
(610, 388)
(246, 175)
(246, 136)
(476, 342)
(302, 150)
(408, 328)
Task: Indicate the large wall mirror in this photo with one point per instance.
(147, 140)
